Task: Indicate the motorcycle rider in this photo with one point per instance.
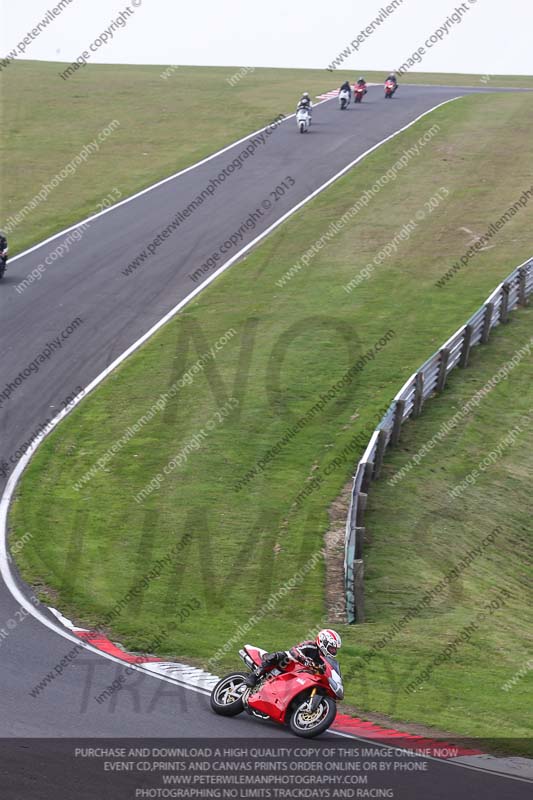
(305, 102)
(362, 84)
(309, 653)
(346, 88)
(3, 248)
(392, 77)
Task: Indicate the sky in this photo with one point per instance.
(490, 37)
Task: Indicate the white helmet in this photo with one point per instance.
(306, 95)
(328, 642)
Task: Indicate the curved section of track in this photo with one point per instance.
(117, 310)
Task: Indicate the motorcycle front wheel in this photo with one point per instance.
(226, 697)
(307, 723)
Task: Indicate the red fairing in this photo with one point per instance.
(275, 695)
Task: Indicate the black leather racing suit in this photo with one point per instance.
(3, 258)
(305, 103)
(305, 653)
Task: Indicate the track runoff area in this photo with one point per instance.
(453, 768)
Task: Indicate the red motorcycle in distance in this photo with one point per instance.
(359, 91)
(302, 697)
(390, 88)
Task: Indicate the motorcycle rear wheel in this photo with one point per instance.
(308, 724)
(226, 697)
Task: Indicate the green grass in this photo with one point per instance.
(91, 546)
(419, 533)
(165, 125)
(461, 79)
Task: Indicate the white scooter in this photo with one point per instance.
(345, 97)
(303, 119)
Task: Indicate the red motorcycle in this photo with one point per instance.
(359, 91)
(390, 88)
(302, 697)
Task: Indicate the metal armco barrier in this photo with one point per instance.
(431, 378)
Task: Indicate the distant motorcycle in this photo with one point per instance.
(344, 99)
(390, 88)
(359, 92)
(302, 697)
(3, 262)
(303, 119)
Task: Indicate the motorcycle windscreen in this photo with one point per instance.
(335, 677)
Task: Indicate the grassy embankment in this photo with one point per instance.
(92, 545)
(166, 123)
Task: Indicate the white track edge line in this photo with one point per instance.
(5, 500)
(5, 558)
(150, 188)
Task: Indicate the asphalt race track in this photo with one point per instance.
(116, 310)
